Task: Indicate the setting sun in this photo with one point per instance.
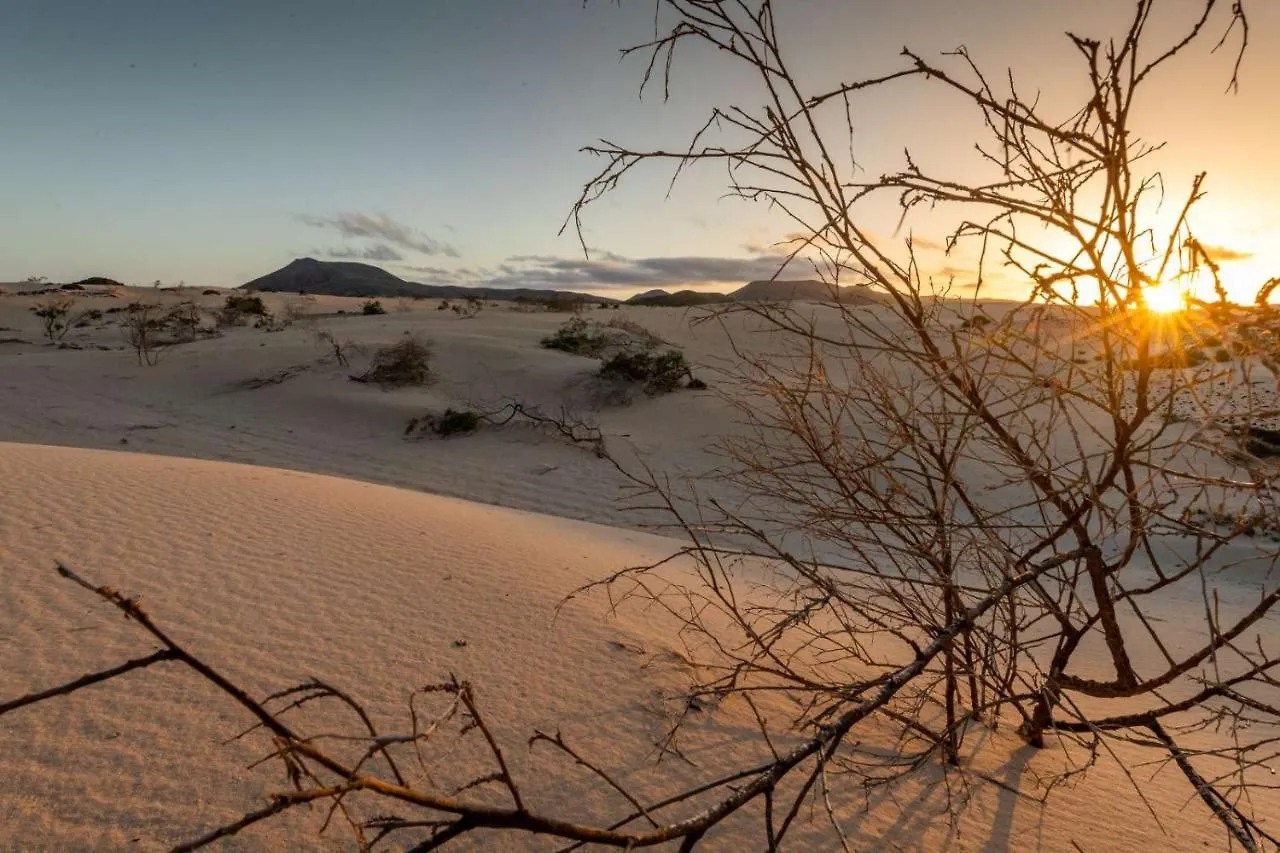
(1165, 298)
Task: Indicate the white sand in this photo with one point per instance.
(277, 575)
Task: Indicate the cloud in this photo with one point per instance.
(376, 252)
(608, 270)
(1219, 254)
(611, 270)
(380, 227)
(927, 244)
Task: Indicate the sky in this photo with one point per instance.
(213, 142)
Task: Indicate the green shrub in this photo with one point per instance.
(454, 422)
(239, 307)
(578, 337)
(373, 306)
(660, 372)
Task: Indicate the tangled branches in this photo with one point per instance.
(924, 527)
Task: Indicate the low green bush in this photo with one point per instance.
(660, 372)
(455, 422)
(577, 337)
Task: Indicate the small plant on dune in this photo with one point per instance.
(340, 349)
(296, 311)
(577, 337)
(371, 307)
(184, 320)
(565, 424)
(406, 362)
(238, 308)
(452, 422)
(561, 304)
(468, 309)
(659, 372)
(55, 318)
(143, 326)
(637, 331)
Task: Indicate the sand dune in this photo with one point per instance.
(193, 402)
(275, 576)
(278, 575)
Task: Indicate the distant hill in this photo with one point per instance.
(679, 299)
(517, 294)
(758, 291)
(334, 278)
(347, 278)
(99, 280)
(812, 291)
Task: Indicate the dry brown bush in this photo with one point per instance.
(406, 362)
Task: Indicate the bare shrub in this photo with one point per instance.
(297, 311)
(406, 362)
(340, 349)
(54, 317)
(144, 328)
(184, 321)
(977, 530)
(565, 425)
(278, 377)
(933, 534)
(468, 309)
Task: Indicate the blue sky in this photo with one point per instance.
(213, 142)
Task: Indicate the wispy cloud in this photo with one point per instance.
(376, 252)
(927, 244)
(1222, 253)
(383, 228)
(606, 270)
